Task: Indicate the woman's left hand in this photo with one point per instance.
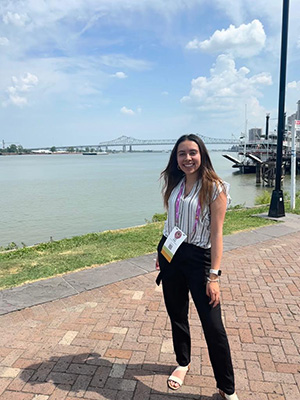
(157, 267)
(213, 292)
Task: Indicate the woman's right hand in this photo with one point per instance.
(213, 292)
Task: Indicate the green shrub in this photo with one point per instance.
(236, 207)
(264, 198)
(11, 246)
(159, 217)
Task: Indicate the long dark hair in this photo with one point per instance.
(171, 175)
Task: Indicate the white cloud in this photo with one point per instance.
(15, 19)
(21, 86)
(92, 10)
(4, 41)
(91, 22)
(165, 93)
(28, 80)
(127, 111)
(294, 85)
(17, 100)
(120, 75)
(74, 81)
(261, 79)
(121, 60)
(244, 41)
(227, 89)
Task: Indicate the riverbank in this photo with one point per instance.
(87, 251)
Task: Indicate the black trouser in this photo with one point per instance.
(187, 273)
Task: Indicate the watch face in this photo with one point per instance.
(216, 271)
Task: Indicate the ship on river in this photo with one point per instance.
(260, 148)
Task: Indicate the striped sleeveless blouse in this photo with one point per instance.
(198, 235)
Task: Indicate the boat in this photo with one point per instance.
(253, 152)
(95, 153)
(262, 149)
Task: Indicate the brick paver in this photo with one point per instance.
(114, 342)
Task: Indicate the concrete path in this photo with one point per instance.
(103, 333)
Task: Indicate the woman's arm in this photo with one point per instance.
(217, 212)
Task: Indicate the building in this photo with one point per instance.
(255, 134)
(291, 119)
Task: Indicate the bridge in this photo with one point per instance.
(127, 141)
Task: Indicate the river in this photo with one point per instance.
(58, 196)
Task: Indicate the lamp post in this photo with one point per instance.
(277, 204)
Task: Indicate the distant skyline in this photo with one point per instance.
(88, 71)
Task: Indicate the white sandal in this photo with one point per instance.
(175, 379)
(228, 396)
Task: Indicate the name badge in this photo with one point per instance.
(171, 245)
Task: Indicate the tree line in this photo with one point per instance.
(14, 149)
(18, 149)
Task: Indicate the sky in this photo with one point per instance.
(79, 72)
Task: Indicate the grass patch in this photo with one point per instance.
(243, 220)
(54, 258)
(265, 198)
(58, 257)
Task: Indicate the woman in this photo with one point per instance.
(189, 257)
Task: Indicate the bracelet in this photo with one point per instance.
(212, 280)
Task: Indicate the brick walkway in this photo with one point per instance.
(114, 342)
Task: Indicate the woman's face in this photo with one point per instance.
(188, 157)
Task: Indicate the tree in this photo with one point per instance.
(12, 148)
(20, 149)
(53, 149)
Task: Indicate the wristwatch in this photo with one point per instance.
(215, 272)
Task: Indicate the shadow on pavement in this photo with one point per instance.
(88, 372)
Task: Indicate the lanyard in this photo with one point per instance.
(177, 208)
